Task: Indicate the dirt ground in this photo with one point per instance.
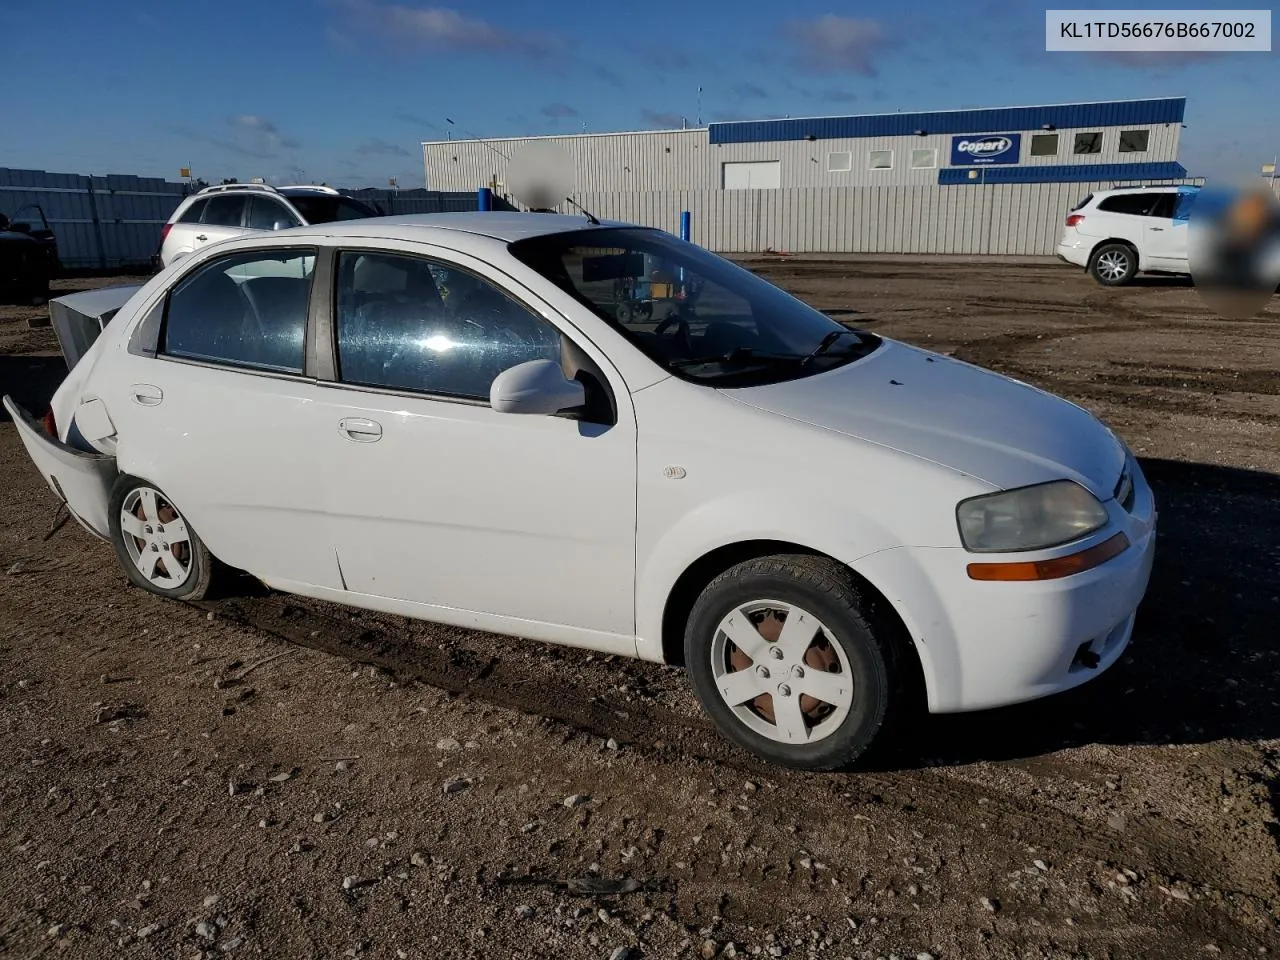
(271, 777)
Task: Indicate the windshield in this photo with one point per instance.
(696, 314)
(324, 208)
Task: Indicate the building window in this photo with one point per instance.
(1044, 145)
(752, 175)
(880, 160)
(839, 162)
(925, 159)
(1088, 142)
(1134, 141)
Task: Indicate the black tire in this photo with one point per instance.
(1110, 256)
(201, 569)
(831, 594)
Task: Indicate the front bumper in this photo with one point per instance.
(989, 644)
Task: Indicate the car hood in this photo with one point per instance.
(1002, 431)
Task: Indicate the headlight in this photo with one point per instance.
(1029, 518)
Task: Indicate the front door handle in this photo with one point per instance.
(360, 430)
(202, 236)
(1157, 229)
(146, 394)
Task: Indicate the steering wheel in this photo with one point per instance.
(686, 339)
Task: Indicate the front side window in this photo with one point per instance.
(1164, 207)
(224, 211)
(408, 323)
(247, 310)
(326, 208)
(699, 316)
(265, 213)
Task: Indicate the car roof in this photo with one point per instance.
(507, 226)
(1157, 188)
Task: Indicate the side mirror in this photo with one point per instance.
(538, 386)
(281, 225)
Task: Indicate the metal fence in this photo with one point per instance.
(100, 222)
(111, 222)
(973, 219)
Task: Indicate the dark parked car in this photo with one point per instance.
(28, 255)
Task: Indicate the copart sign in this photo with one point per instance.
(986, 148)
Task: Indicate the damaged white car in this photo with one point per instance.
(603, 436)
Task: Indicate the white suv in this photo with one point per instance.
(1114, 234)
(232, 209)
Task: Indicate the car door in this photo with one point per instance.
(214, 402)
(223, 218)
(515, 523)
(1165, 237)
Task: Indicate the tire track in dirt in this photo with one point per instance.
(929, 794)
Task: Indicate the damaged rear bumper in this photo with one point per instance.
(81, 479)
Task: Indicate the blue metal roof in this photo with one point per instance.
(1115, 113)
(1064, 173)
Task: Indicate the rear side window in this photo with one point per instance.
(193, 212)
(249, 310)
(1136, 204)
(224, 211)
(1084, 202)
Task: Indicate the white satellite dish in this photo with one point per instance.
(541, 175)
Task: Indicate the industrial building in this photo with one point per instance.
(993, 180)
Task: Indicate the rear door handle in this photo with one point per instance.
(1157, 229)
(146, 394)
(360, 430)
(202, 236)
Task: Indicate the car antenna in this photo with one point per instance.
(587, 213)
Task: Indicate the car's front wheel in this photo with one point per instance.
(787, 664)
(1114, 264)
(154, 544)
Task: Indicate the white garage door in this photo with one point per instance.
(754, 175)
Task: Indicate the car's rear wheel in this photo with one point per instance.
(1114, 264)
(786, 662)
(156, 547)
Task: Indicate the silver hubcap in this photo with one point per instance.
(155, 537)
(777, 668)
(1113, 265)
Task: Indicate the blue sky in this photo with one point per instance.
(344, 90)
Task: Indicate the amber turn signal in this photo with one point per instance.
(1055, 568)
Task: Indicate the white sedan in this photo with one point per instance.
(602, 436)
